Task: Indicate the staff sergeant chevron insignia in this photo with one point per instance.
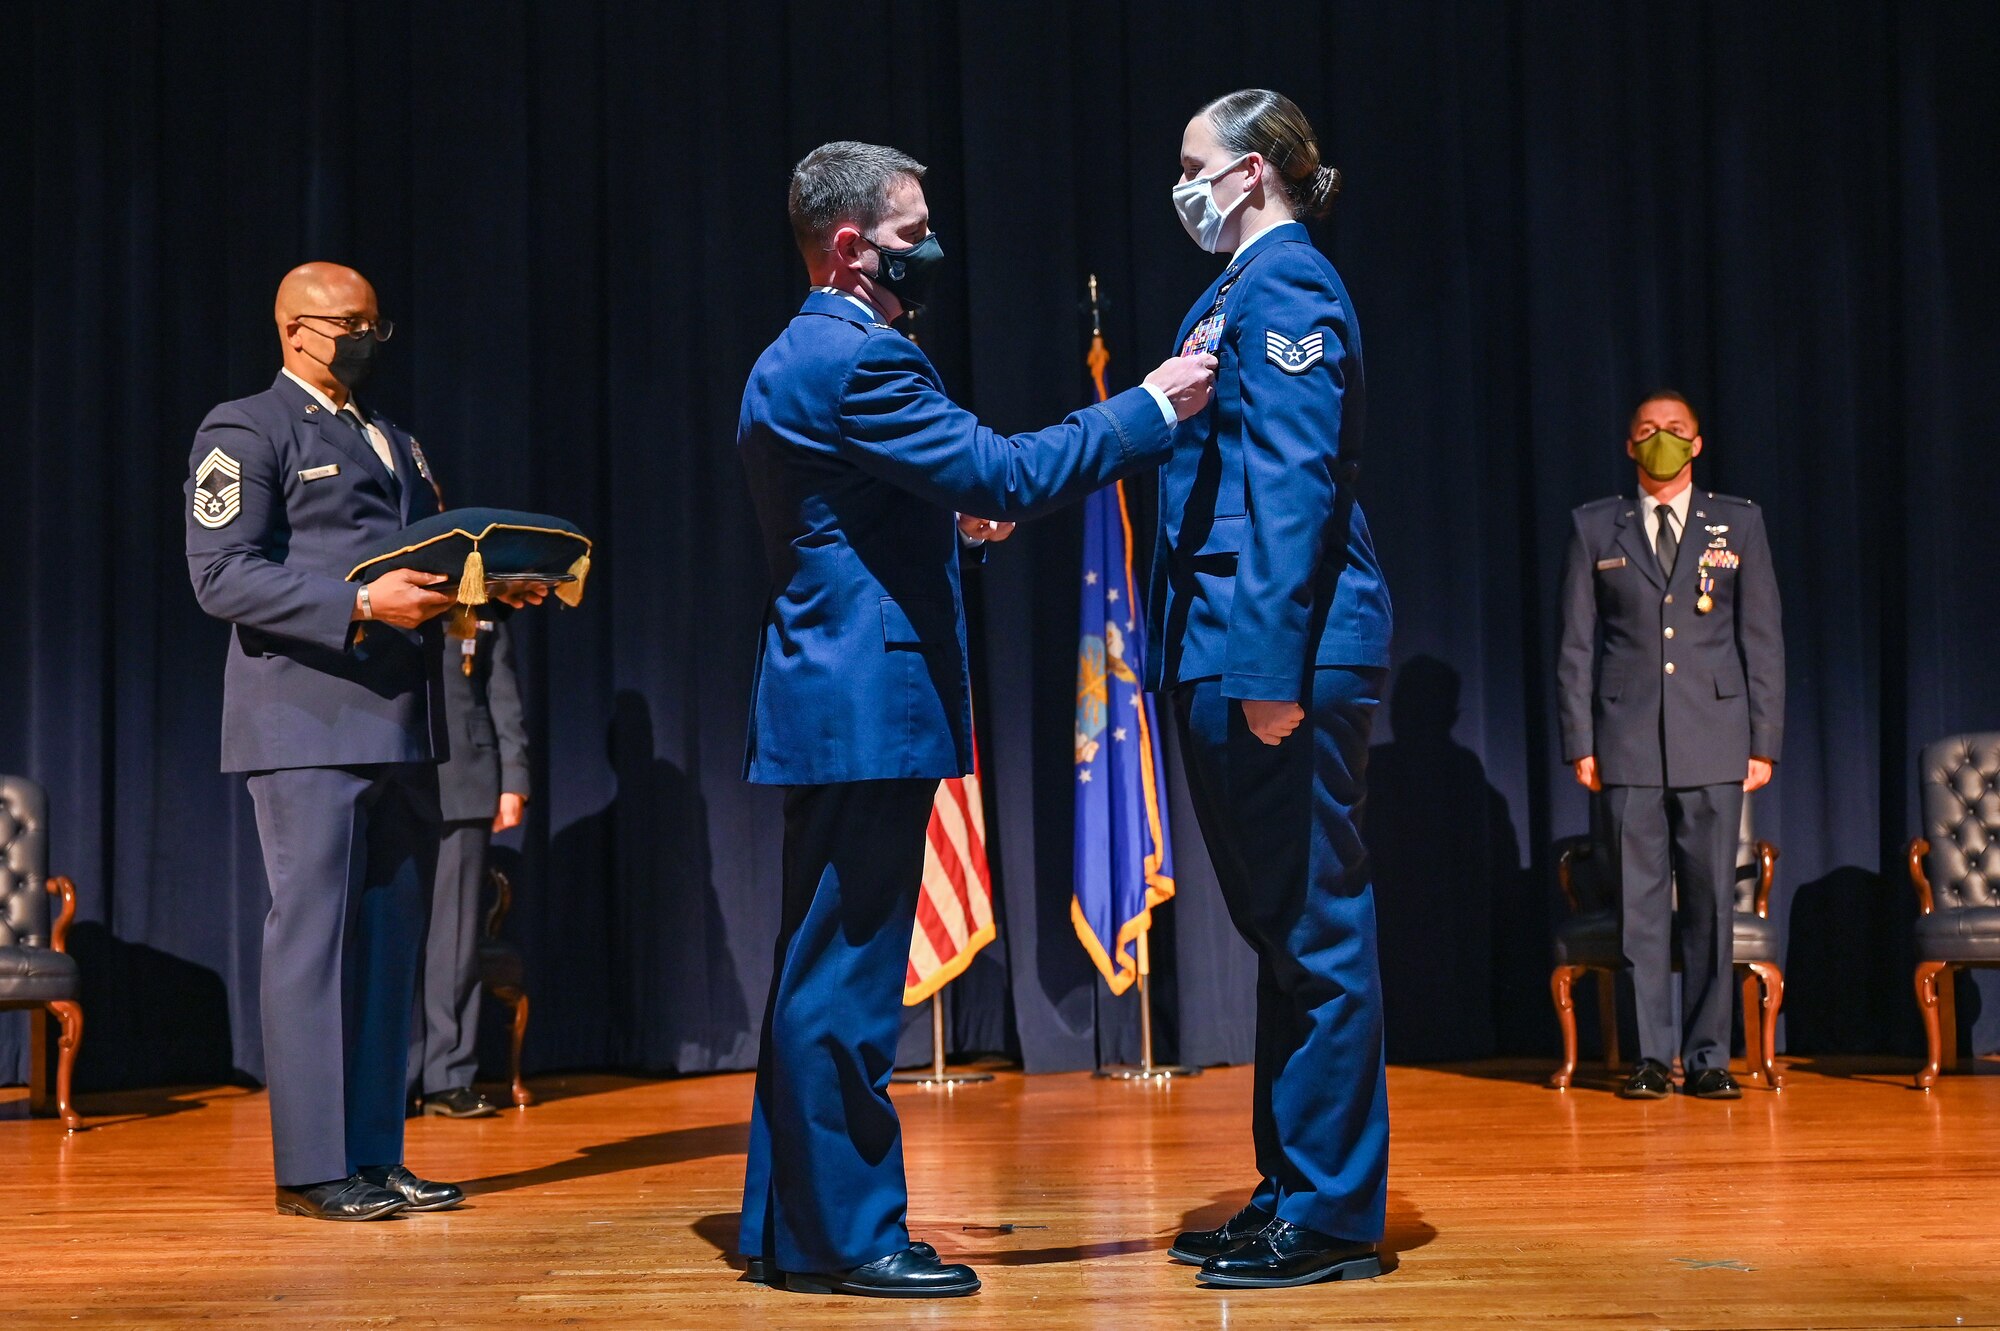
(1294, 357)
(218, 490)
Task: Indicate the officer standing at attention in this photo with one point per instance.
(328, 708)
(483, 790)
(1271, 622)
(857, 463)
(1672, 682)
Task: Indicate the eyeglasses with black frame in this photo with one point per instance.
(355, 325)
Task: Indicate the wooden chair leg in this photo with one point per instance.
(1607, 1019)
(39, 1102)
(71, 1017)
(1947, 992)
(1927, 1005)
(1766, 1053)
(1561, 981)
(1753, 1025)
(518, 1000)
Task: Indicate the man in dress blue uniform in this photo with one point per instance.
(328, 708)
(483, 791)
(1271, 622)
(1672, 697)
(856, 462)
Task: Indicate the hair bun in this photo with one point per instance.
(1321, 191)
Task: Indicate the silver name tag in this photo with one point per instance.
(1604, 564)
(320, 473)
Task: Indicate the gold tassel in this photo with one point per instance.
(571, 593)
(464, 622)
(472, 582)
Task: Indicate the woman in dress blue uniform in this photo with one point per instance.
(1271, 623)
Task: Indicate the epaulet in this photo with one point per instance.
(1730, 499)
(1608, 502)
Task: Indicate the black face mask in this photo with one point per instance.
(909, 274)
(353, 358)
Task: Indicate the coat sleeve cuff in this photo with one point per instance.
(1262, 688)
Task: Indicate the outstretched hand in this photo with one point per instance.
(1187, 382)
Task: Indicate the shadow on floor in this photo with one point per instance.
(109, 1109)
(1525, 1071)
(673, 1147)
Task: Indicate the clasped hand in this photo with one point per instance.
(1271, 722)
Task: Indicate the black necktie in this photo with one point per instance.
(1665, 545)
(351, 418)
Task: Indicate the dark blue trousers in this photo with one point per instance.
(823, 1189)
(444, 1038)
(1280, 824)
(349, 853)
(1660, 835)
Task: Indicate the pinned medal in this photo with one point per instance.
(1704, 603)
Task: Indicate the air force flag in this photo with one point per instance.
(1123, 867)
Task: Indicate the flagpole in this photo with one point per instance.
(938, 1075)
(1146, 1070)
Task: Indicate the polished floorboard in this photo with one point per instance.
(1847, 1200)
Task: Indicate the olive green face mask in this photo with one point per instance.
(1663, 453)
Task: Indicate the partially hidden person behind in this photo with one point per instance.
(483, 790)
(330, 711)
(1271, 621)
(859, 466)
(1671, 693)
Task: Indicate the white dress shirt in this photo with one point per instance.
(1678, 506)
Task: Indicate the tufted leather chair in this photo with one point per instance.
(1955, 867)
(35, 970)
(501, 969)
(1587, 939)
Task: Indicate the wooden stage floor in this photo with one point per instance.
(1849, 1200)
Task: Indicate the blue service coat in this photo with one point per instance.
(1659, 692)
(1264, 570)
(489, 727)
(281, 503)
(857, 464)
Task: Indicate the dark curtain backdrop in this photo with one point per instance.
(575, 212)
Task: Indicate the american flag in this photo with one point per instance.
(955, 912)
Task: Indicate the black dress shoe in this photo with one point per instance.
(460, 1102)
(420, 1194)
(913, 1273)
(1283, 1254)
(1648, 1081)
(764, 1271)
(342, 1199)
(1195, 1246)
(1712, 1084)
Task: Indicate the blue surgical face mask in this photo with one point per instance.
(1195, 202)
